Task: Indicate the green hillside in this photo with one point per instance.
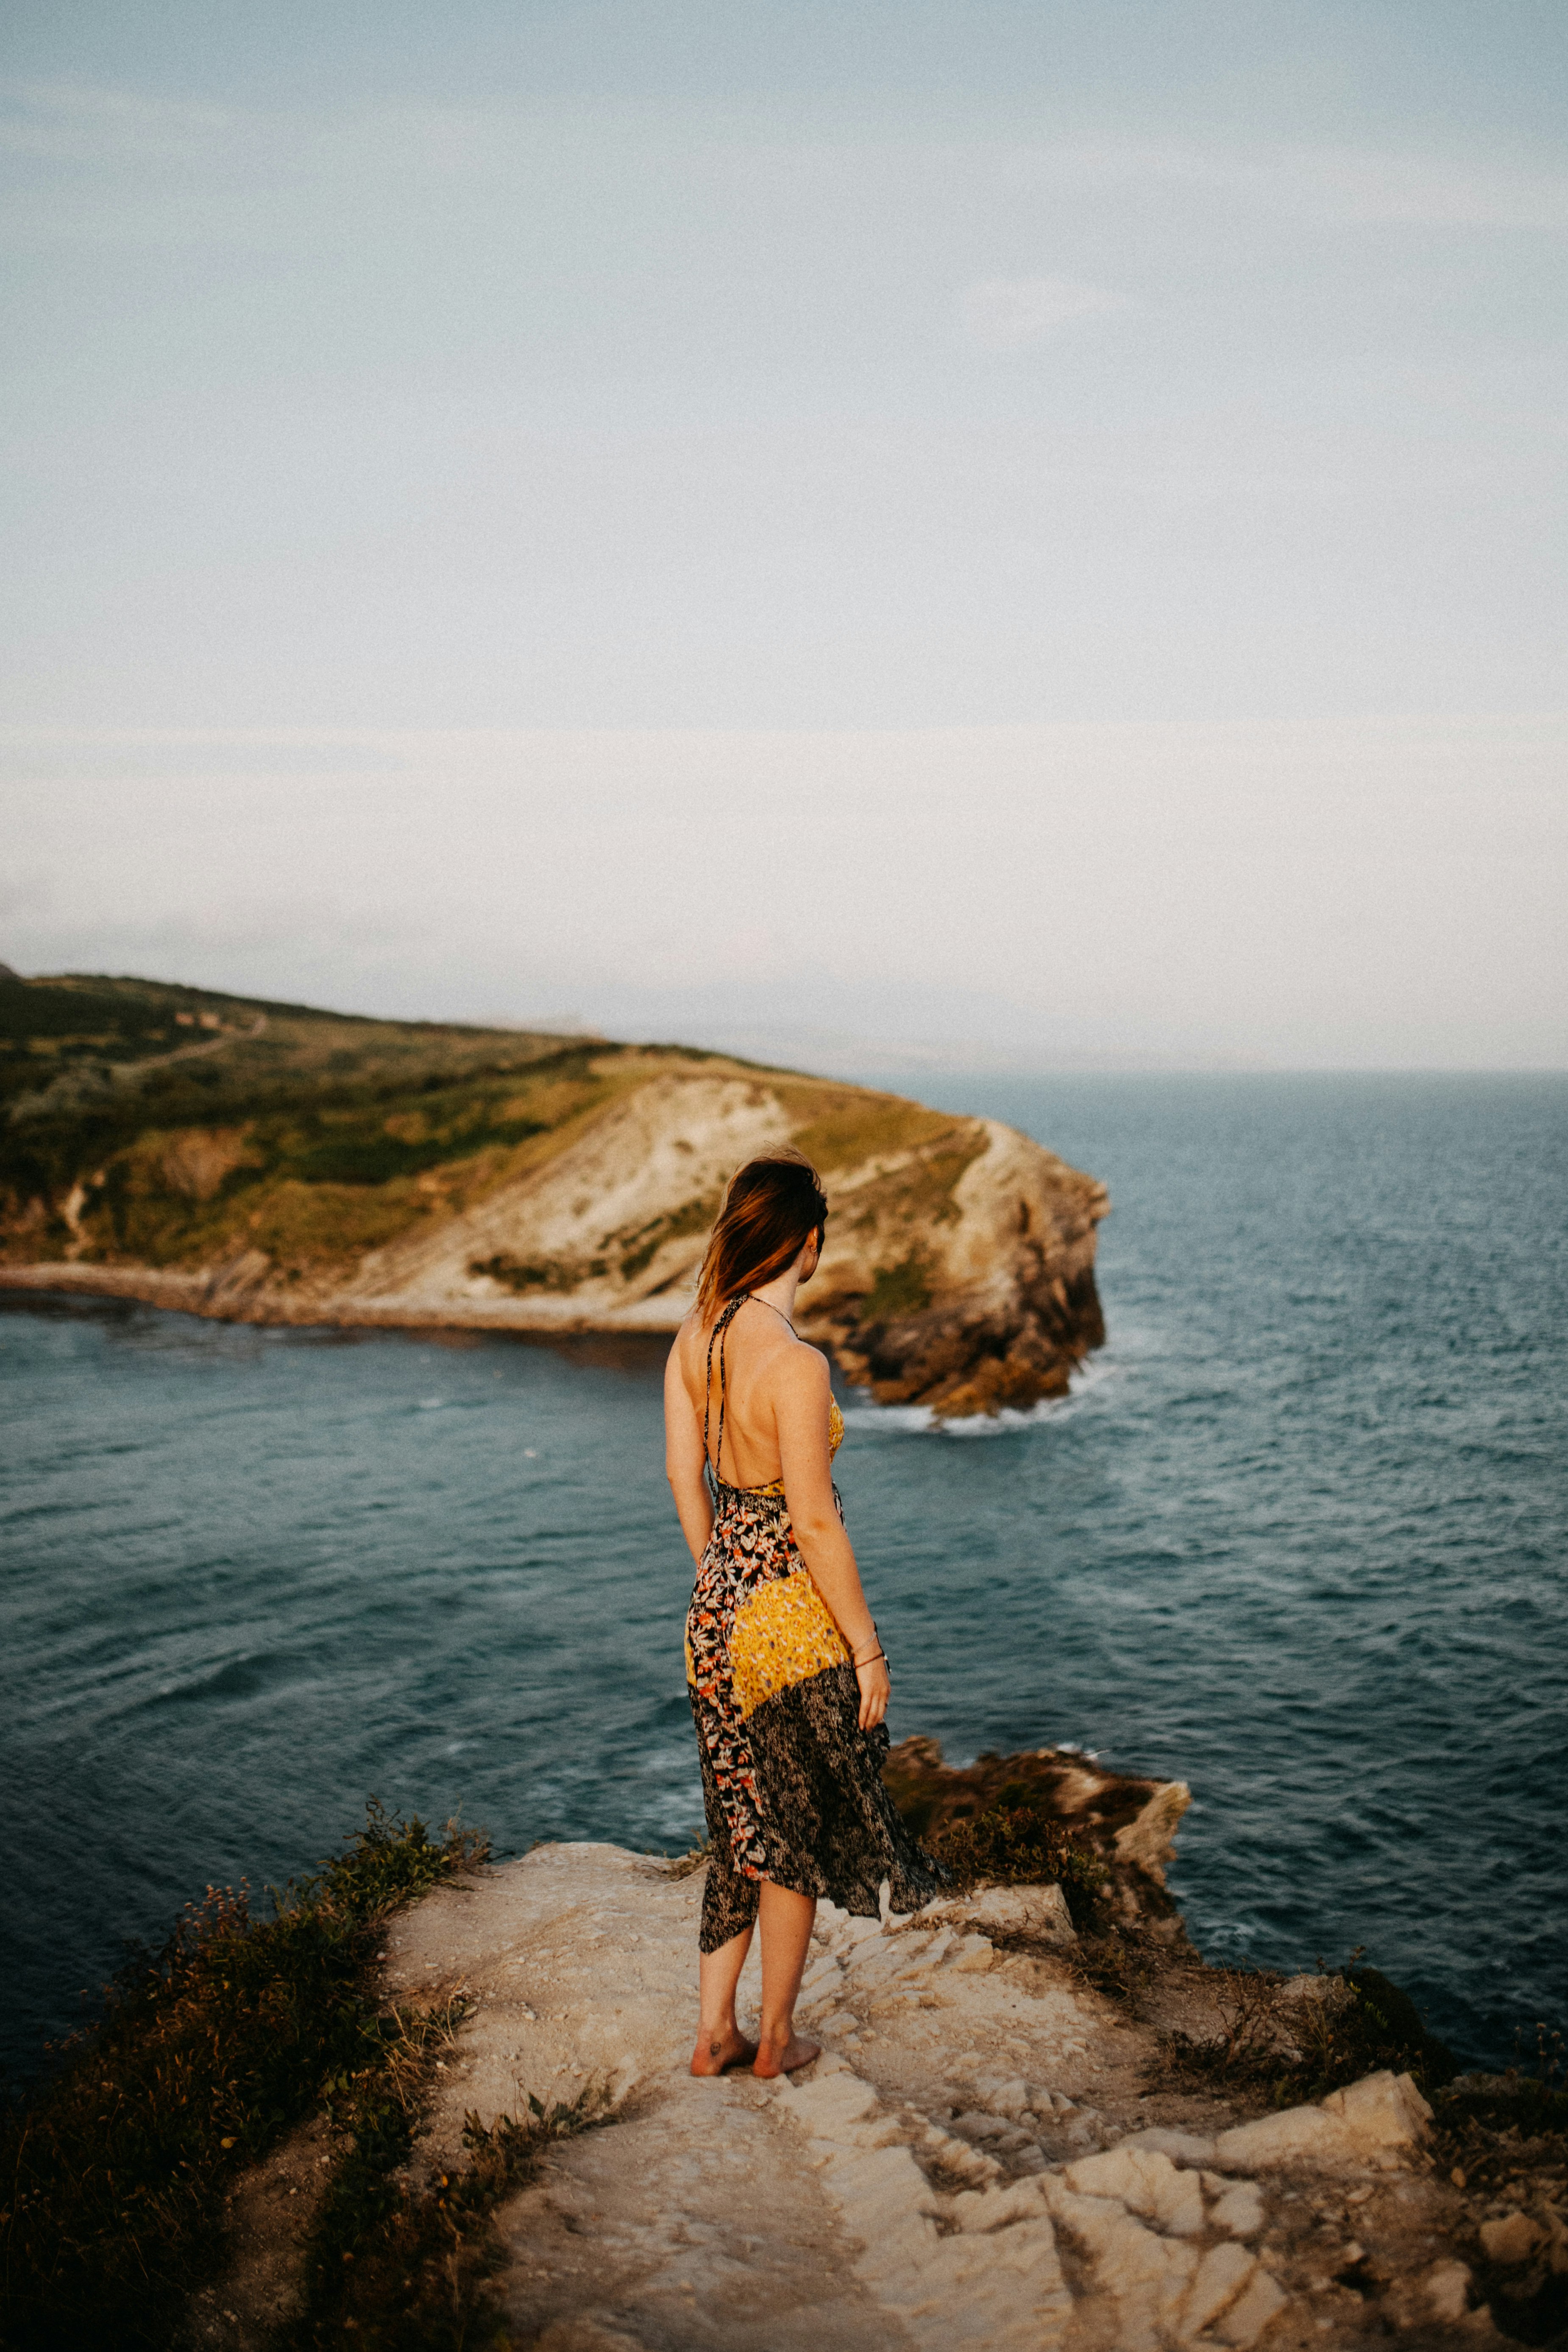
(145, 1123)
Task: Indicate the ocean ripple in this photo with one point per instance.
(1297, 1537)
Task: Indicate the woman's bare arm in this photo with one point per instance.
(801, 1395)
(683, 1458)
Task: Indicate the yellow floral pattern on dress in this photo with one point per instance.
(791, 1787)
(784, 1633)
(824, 1645)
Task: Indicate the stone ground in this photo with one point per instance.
(976, 2159)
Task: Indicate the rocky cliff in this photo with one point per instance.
(1000, 2145)
(275, 1164)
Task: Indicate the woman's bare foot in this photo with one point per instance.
(716, 2051)
(784, 2058)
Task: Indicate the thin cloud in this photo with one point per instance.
(65, 123)
(1011, 314)
(1411, 190)
(1340, 185)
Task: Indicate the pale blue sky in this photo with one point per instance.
(849, 371)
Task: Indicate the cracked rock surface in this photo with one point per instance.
(975, 2159)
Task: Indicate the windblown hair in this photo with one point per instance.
(771, 1205)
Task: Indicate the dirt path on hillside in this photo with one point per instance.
(72, 1083)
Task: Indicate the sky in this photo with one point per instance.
(1012, 531)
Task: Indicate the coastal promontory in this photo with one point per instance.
(277, 1164)
(1037, 2120)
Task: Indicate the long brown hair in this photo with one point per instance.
(771, 1207)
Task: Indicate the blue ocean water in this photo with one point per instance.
(1298, 1538)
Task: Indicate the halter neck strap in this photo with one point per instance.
(718, 1332)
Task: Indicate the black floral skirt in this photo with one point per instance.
(792, 1785)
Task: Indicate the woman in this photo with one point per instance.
(788, 1681)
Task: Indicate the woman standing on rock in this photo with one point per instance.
(788, 1681)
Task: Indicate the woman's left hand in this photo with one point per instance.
(876, 1690)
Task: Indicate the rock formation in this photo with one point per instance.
(958, 1273)
(551, 1188)
(1129, 1823)
(980, 2156)
(994, 2148)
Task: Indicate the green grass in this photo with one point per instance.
(901, 1289)
(312, 1137)
(377, 1156)
(113, 2172)
(297, 1143)
(693, 1217)
(851, 1128)
(319, 1149)
(549, 1274)
(70, 1020)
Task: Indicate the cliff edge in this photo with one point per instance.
(994, 2149)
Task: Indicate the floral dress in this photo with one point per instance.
(792, 1786)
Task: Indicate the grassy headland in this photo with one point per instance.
(193, 1122)
(276, 1162)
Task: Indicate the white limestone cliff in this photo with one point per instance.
(976, 2159)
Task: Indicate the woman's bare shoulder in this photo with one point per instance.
(802, 1367)
(686, 1347)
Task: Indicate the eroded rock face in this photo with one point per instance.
(988, 2152)
(1129, 1823)
(958, 1266)
(1037, 1913)
(999, 1303)
(1368, 2123)
(966, 2164)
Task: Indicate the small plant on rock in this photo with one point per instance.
(408, 2268)
(1018, 1845)
(1307, 2048)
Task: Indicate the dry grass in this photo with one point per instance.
(1021, 1846)
(845, 1132)
(408, 2268)
(114, 2173)
(686, 1865)
(1301, 2049)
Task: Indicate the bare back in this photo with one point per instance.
(757, 1346)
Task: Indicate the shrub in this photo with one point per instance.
(901, 1289)
(406, 2269)
(115, 2168)
(537, 1274)
(1019, 1845)
(695, 1217)
(1308, 2048)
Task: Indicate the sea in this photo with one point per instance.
(1298, 1537)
